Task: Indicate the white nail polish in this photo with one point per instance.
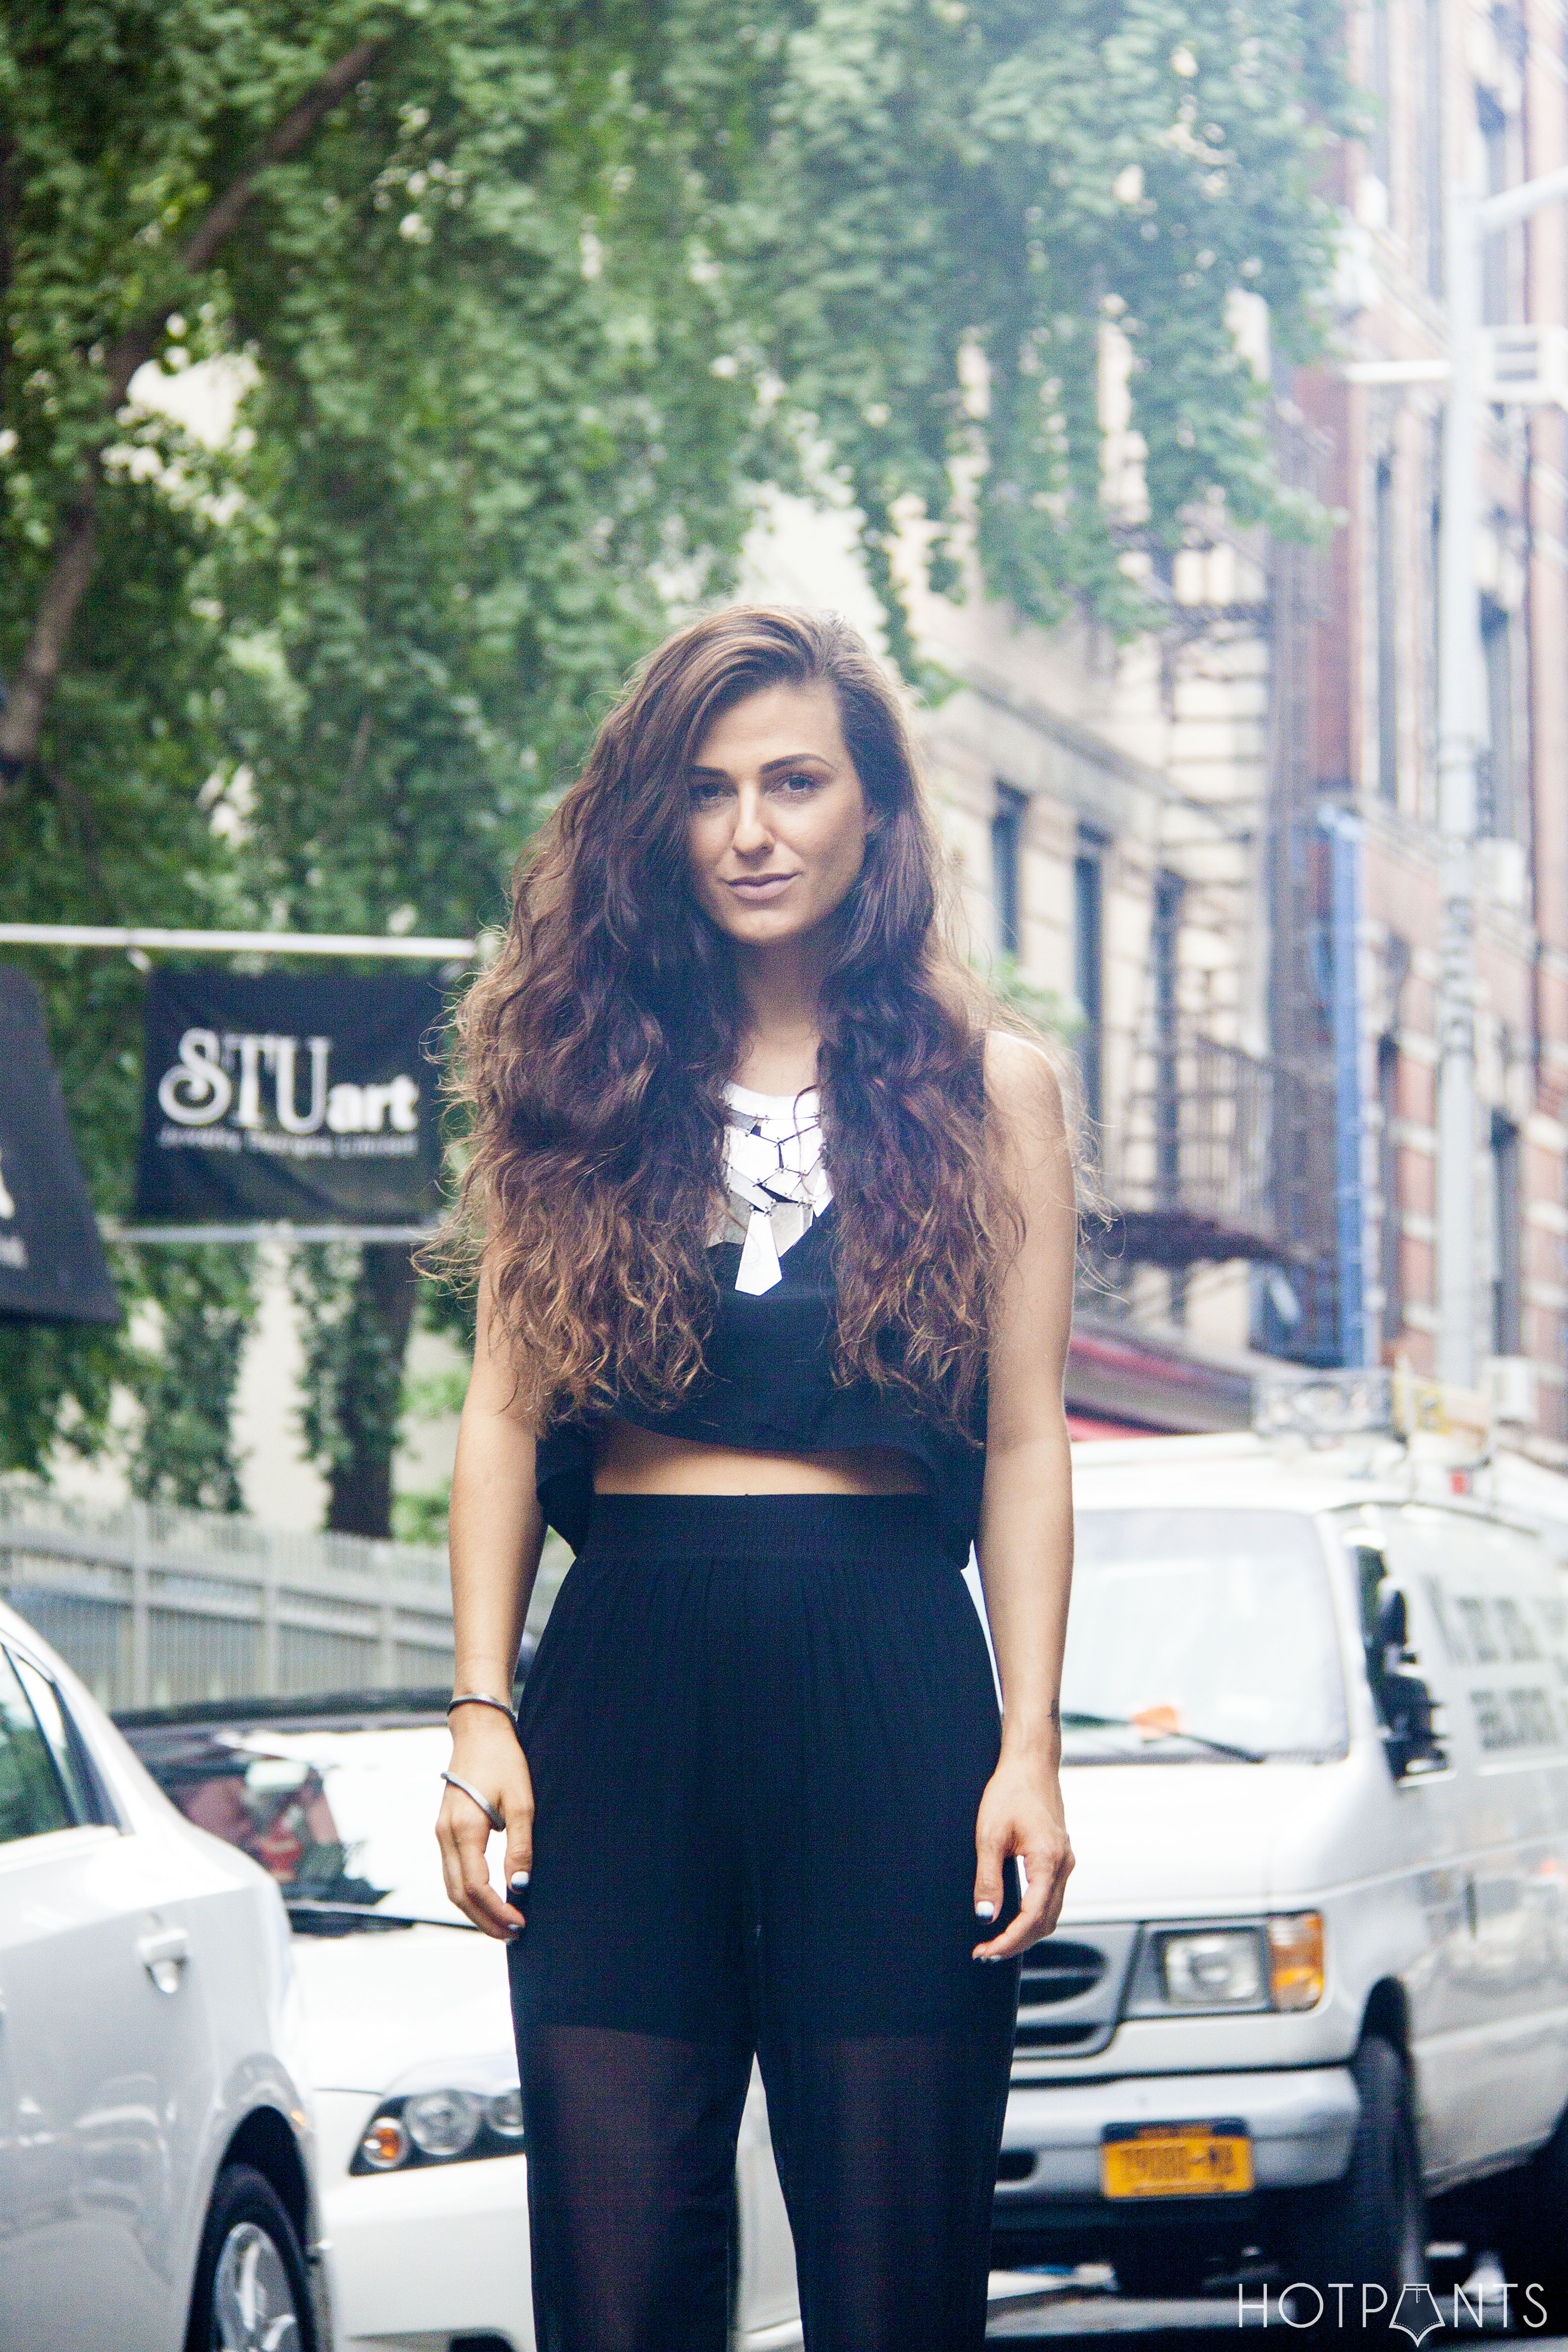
(985, 1910)
(519, 1878)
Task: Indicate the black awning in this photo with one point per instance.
(52, 1266)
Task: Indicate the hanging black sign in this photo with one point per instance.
(306, 1100)
(51, 1266)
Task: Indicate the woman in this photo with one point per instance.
(773, 1310)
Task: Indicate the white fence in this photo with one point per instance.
(153, 1605)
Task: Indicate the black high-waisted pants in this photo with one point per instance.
(758, 1729)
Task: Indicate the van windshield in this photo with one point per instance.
(1193, 1633)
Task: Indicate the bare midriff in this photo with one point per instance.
(632, 1461)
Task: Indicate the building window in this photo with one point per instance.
(1164, 957)
(1378, 150)
(1389, 1269)
(1505, 1237)
(1495, 248)
(1385, 557)
(1088, 966)
(1007, 867)
(1432, 140)
(1497, 812)
(1432, 613)
(1165, 961)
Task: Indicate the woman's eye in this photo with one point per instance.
(707, 793)
(800, 783)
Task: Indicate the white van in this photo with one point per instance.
(1312, 1969)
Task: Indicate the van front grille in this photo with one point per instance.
(1054, 1972)
(1033, 2036)
(1069, 1994)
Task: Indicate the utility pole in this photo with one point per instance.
(1470, 219)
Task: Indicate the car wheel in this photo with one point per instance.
(251, 2294)
(1368, 2231)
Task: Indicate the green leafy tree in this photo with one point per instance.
(950, 201)
(206, 1302)
(531, 297)
(321, 674)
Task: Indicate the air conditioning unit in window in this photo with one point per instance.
(1512, 1382)
(1503, 873)
(1525, 365)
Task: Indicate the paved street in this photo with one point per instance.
(1085, 2319)
(1085, 2312)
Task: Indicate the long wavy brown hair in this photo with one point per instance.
(594, 1052)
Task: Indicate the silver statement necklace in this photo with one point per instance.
(776, 1178)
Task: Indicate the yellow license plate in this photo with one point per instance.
(1176, 2160)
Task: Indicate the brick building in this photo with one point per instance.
(1217, 850)
(1460, 89)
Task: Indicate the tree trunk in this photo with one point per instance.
(370, 1395)
(22, 716)
(34, 684)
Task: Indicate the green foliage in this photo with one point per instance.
(207, 1310)
(323, 673)
(421, 1519)
(954, 200)
(1041, 1008)
(357, 1308)
(527, 319)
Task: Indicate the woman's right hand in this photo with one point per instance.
(486, 1752)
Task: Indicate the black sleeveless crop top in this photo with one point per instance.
(769, 1388)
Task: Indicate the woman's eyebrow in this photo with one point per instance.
(769, 767)
(797, 760)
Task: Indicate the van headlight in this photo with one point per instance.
(1269, 1964)
(1296, 1973)
(1217, 1967)
(439, 2126)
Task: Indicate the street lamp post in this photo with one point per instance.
(1457, 664)
(1470, 219)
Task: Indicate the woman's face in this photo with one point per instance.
(778, 816)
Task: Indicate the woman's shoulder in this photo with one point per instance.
(1022, 1085)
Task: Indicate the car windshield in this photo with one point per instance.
(342, 1817)
(1196, 1632)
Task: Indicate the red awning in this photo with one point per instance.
(1078, 1427)
(1124, 1382)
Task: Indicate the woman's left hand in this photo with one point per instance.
(1021, 1813)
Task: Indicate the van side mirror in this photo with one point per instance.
(1405, 1706)
(1410, 1739)
(1392, 1620)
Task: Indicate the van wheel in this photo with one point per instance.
(1149, 2270)
(1368, 2229)
(1533, 2232)
(251, 2294)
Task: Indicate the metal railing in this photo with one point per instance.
(1197, 1178)
(152, 1606)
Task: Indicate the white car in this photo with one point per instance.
(155, 2147)
(423, 2169)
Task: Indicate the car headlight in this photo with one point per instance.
(443, 2124)
(440, 2127)
(1268, 1964)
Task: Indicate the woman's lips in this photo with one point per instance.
(755, 887)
